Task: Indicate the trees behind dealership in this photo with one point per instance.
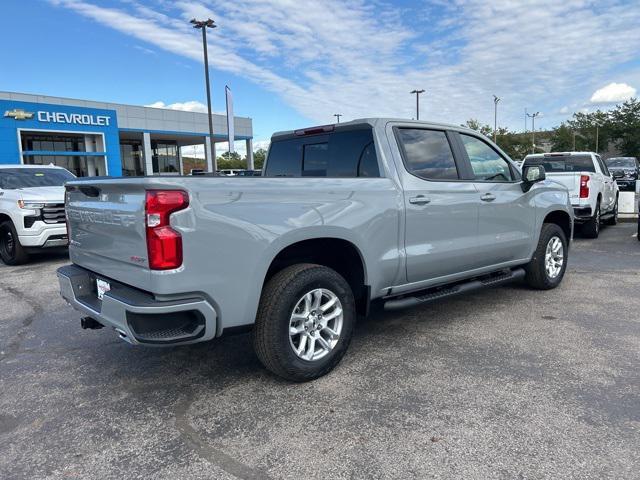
(618, 128)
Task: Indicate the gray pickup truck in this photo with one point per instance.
(397, 211)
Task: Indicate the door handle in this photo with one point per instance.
(419, 200)
(488, 197)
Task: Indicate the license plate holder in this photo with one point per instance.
(102, 287)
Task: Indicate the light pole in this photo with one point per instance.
(597, 133)
(533, 130)
(337, 115)
(417, 93)
(203, 25)
(495, 117)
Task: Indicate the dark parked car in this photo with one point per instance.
(625, 170)
(249, 173)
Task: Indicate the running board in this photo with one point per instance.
(437, 293)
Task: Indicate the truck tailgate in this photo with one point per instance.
(571, 180)
(107, 229)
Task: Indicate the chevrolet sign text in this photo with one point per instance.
(76, 118)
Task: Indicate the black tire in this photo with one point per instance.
(591, 229)
(613, 219)
(537, 276)
(11, 252)
(279, 298)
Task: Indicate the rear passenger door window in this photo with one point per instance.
(427, 154)
(487, 164)
(341, 154)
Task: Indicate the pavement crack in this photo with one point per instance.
(213, 455)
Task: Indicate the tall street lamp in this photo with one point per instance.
(203, 25)
(337, 115)
(533, 130)
(417, 94)
(495, 117)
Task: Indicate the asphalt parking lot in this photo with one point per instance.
(504, 383)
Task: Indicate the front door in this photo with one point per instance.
(441, 210)
(506, 217)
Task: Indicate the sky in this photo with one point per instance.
(292, 64)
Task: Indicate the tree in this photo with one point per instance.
(562, 138)
(625, 127)
(258, 158)
(474, 124)
(231, 160)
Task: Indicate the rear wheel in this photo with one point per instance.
(613, 219)
(549, 262)
(304, 323)
(591, 229)
(11, 252)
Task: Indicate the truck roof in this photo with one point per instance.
(372, 121)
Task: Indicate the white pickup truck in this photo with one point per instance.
(592, 189)
(31, 210)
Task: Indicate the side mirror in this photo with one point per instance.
(532, 174)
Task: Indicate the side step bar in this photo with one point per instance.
(437, 293)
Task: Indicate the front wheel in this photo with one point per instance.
(549, 262)
(305, 322)
(11, 252)
(591, 229)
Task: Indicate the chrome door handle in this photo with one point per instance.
(487, 197)
(419, 200)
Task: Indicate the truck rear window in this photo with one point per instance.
(563, 163)
(349, 153)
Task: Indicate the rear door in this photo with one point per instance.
(506, 215)
(608, 191)
(441, 209)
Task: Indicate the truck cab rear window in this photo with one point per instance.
(563, 163)
(349, 153)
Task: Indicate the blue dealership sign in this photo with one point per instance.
(16, 116)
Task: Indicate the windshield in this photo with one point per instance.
(563, 163)
(625, 162)
(12, 178)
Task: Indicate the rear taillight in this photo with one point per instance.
(164, 244)
(584, 186)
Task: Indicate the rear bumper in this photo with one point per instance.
(582, 214)
(136, 315)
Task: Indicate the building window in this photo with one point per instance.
(165, 157)
(132, 156)
(32, 141)
(79, 165)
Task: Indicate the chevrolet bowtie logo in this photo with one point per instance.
(18, 114)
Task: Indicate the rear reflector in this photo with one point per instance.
(584, 186)
(164, 244)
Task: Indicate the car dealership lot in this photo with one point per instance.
(504, 383)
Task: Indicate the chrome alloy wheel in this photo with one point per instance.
(315, 324)
(554, 257)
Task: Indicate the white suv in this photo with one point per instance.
(32, 212)
(592, 190)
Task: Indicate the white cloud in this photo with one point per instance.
(362, 59)
(564, 110)
(189, 106)
(612, 93)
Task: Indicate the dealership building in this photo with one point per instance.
(97, 138)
